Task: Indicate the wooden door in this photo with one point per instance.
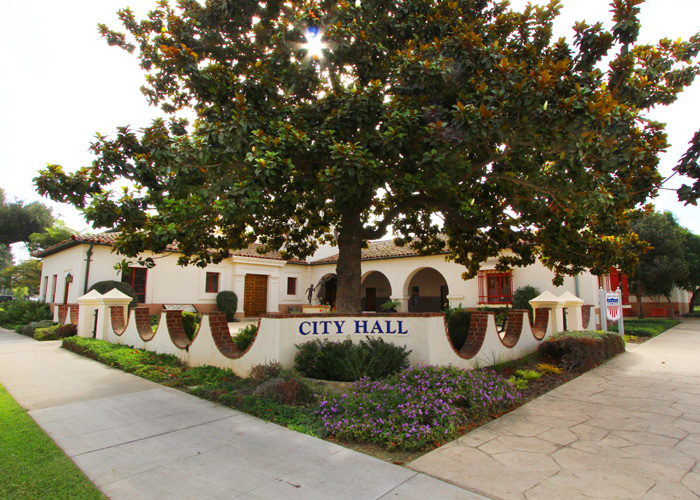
(371, 302)
(255, 295)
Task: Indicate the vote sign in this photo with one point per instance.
(613, 306)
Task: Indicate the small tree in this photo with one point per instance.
(663, 266)
(459, 123)
(26, 274)
(227, 301)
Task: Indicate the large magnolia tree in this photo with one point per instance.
(448, 122)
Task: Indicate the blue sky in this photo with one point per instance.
(61, 83)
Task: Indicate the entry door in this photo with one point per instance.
(371, 303)
(255, 295)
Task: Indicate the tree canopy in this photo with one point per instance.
(26, 274)
(453, 122)
(19, 219)
(672, 259)
(50, 236)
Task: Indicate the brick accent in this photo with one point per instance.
(514, 328)
(62, 313)
(143, 323)
(477, 333)
(539, 329)
(222, 335)
(74, 314)
(118, 319)
(586, 315)
(173, 320)
(345, 315)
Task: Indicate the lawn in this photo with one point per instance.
(32, 466)
(648, 327)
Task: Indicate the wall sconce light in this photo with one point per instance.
(69, 278)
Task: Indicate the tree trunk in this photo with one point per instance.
(349, 268)
(670, 306)
(640, 306)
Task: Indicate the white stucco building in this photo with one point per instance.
(267, 283)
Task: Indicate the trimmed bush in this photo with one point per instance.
(458, 327)
(16, 313)
(105, 286)
(29, 329)
(56, 332)
(245, 337)
(227, 302)
(190, 322)
(347, 362)
(581, 351)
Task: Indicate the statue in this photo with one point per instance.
(310, 292)
(321, 290)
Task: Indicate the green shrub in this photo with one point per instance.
(458, 327)
(522, 297)
(56, 332)
(29, 329)
(16, 313)
(288, 388)
(227, 302)
(348, 362)
(245, 337)
(105, 286)
(581, 351)
(154, 320)
(190, 322)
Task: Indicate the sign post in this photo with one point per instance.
(611, 309)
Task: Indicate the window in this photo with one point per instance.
(495, 287)
(46, 287)
(53, 290)
(212, 283)
(136, 277)
(291, 286)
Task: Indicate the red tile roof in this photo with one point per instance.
(382, 249)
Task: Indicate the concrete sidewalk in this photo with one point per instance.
(629, 429)
(138, 440)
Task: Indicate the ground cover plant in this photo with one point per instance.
(56, 332)
(418, 408)
(32, 466)
(648, 327)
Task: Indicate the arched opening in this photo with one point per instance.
(427, 291)
(376, 291)
(326, 290)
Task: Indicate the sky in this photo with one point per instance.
(61, 83)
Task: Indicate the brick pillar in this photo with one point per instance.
(514, 328)
(476, 336)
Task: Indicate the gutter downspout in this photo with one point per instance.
(87, 268)
(576, 286)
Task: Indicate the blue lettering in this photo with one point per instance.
(357, 326)
(388, 327)
(401, 331)
(315, 327)
(339, 326)
(301, 327)
(376, 327)
(325, 326)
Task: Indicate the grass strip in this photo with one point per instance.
(647, 327)
(32, 466)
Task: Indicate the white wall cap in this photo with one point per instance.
(92, 297)
(545, 299)
(569, 299)
(115, 297)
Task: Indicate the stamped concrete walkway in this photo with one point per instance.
(137, 440)
(629, 429)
